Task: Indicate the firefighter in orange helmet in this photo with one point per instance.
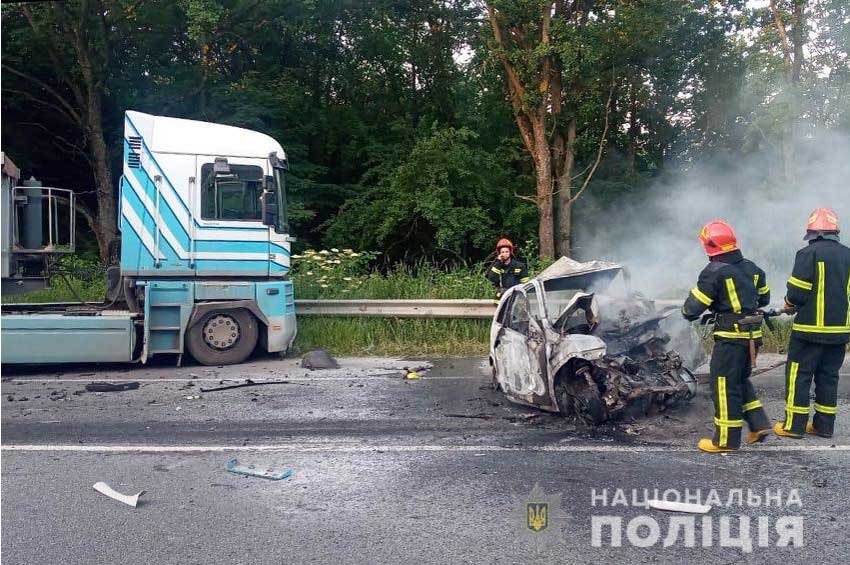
(506, 271)
(733, 288)
(819, 292)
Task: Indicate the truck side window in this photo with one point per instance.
(234, 196)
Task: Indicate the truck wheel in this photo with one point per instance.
(223, 337)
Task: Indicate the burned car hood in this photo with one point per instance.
(589, 276)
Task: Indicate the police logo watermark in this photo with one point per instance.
(538, 516)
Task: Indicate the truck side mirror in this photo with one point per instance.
(269, 208)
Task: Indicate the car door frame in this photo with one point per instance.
(534, 352)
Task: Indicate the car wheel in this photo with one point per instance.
(223, 337)
(588, 405)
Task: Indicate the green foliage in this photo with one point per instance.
(447, 195)
(395, 115)
(74, 278)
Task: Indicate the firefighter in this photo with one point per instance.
(506, 271)
(733, 288)
(819, 292)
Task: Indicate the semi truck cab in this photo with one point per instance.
(205, 255)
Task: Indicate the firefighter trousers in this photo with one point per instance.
(734, 396)
(809, 361)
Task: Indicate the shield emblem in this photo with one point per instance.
(538, 516)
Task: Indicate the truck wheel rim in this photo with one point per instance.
(221, 332)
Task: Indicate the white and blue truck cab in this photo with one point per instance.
(205, 255)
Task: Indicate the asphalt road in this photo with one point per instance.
(384, 470)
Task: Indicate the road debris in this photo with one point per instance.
(193, 397)
(680, 507)
(413, 373)
(131, 500)
(248, 382)
(481, 416)
(111, 387)
(319, 359)
(252, 470)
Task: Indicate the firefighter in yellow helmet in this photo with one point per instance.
(506, 271)
(733, 288)
(819, 292)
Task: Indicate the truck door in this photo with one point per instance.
(229, 238)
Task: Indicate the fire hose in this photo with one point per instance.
(752, 323)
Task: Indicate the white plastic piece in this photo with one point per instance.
(679, 507)
(104, 488)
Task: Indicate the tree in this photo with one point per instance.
(792, 60)
(545, 81)
(77, 38)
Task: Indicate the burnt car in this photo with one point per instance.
(573, 342)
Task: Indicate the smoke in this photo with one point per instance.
(654, 234)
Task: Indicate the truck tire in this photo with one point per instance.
(223, 337)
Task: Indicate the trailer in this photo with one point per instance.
(205, 253)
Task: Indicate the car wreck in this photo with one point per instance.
(570, 342)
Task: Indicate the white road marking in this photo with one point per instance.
(358, 448)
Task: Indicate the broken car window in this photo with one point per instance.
(533, 304)
(519, 314)
(556, 301)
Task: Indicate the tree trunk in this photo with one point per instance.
(565, 193)
(107, 230)
(543, 165)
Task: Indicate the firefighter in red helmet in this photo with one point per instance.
(506, 271)
(819, 292)
(733, 288)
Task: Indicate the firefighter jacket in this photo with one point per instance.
(504, 276)
(819, 288)
(732, 287)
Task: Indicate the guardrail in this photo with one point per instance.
(473, 309)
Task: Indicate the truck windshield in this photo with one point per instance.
(231, 196)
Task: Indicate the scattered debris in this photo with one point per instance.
(679, 507)
(414, 373)
(248, 382)
(111, 387)
(319, 359)
(819, 482)
(104, 488)
(481, 416)
(634, 430)
(251, 470)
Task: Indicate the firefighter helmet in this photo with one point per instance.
(823, 220)
(505, 242)
(718, 237)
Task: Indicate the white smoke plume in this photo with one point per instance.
(654, 234)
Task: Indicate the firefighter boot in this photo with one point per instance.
(705, 444)
(756, 419)
(757, 436)
(779, 430)
(811, 429)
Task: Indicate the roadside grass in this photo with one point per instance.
(58, 291)
(392, 337)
